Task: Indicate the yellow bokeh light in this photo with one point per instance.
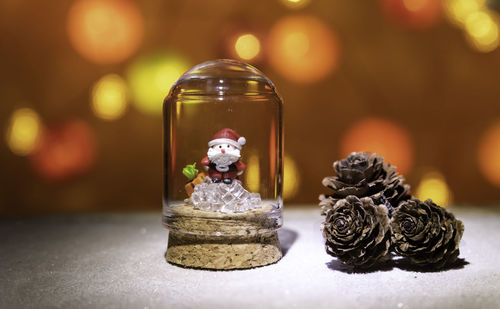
(247, 46)
(457, 11)
(303, 49)
(291, 178)
(433, 186)
(150, 79)
(482, 31)
(295, 4)
(488, 154)
(252, 173)
(109, 97)
(24, 131)
(105, 31)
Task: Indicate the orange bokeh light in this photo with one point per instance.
(380, 136)
(303, 49)
(65, 151)
(105, 31)
(488, 154)
(413, 13)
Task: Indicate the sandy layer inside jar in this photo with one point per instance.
(188, 219)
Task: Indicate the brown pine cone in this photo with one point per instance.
(426, 234)
(357, 232)
(365, 175)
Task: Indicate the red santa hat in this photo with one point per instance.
(227, 136)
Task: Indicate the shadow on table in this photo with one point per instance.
(337, 265)
(400, 263)
(404, 264)
(287, 239)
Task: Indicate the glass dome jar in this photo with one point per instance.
(223, 167)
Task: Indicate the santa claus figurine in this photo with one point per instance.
(223, 156)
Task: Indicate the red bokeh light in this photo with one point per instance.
(65, 150)
(416, 14)
(488, 154)
(380, 136)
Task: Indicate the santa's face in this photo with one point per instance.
(223, 154)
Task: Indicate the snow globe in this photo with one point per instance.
(223, 168)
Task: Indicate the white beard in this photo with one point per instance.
(223, 160)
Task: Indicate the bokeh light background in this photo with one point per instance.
(82, 83)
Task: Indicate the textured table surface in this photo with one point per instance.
(117, 261)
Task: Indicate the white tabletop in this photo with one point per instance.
(117, 261)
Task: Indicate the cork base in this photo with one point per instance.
(223, 252)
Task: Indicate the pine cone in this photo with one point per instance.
(365, 175)
(426, 233)
(357, 232)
